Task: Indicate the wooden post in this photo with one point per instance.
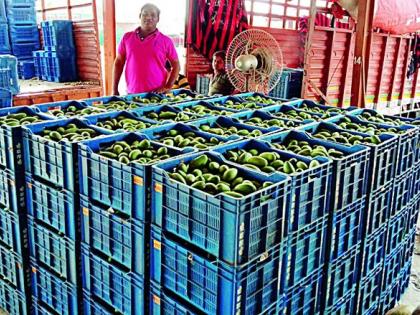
(110, 42)
(363, 29)
(308, 45)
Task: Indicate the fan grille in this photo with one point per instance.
(270, 61)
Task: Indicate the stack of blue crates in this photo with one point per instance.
(57, 62)
(115, 206)
(81, 233)
(23, 30)
(53, 218)
(15, 270)
(26, 69)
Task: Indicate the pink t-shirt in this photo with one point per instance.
(145, 60)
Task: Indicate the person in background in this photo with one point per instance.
(220, 83)
(144, 53)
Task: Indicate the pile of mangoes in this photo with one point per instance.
(346, 138)
(202, 110)
(380, 119)
(297, 116)
(70, 132)
(73, 111)
(261, 100)
(170, 116)
(317, 110)
(371, 129)
(268, 162)
(306, 149)
(215, 178)
(117, 105)
(176, 138)
(122, 122)
(138, 151)
(232, 130)
(18, 119)
(260, 122)
(236, 105)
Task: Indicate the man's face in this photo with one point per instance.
(149, 18)
(218, 64)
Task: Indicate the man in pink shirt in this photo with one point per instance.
(144, 53)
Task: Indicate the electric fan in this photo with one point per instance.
(254, 61)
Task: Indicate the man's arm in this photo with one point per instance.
(172, 77)
(116, 73)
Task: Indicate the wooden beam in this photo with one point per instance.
(363, 28)
(308, 45)
(395, 65)
(346, 67)
(381, 72)
(329, 62)
(110, 42)
(404, 74)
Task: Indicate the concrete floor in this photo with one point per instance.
(36, 85)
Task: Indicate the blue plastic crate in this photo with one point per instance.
(348, 173)
(396, 230)
(212, 286)
(55, 253)
(108, 116)
(14, 269)
(401, 195)
(24, 50)
(378, 209)
(56, 209)
(305, 297)
(55, 293)
(51, 161)
(304, 254)
(24, 33)
(389, 298)
(123, 291)
(12, 301)
(370, 292)
(345, 305)
(119, 240)
(58, 35)
(290, 84)
(62, 110)
(13, 231)
(8, 73)
(6, 98)
(345, 230)
(4, 38)
(373, 252)
(125, 188)
(216, 223)
(93, 307)
(26, 69)
(23, 14)
(382, 157)
(37, 56)
(157, 133)
(407, 141)
(310, 197)
(60, 68)
(11, 147)
(392, 267)
(341, 276)
(12, 194)
(241, 130)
